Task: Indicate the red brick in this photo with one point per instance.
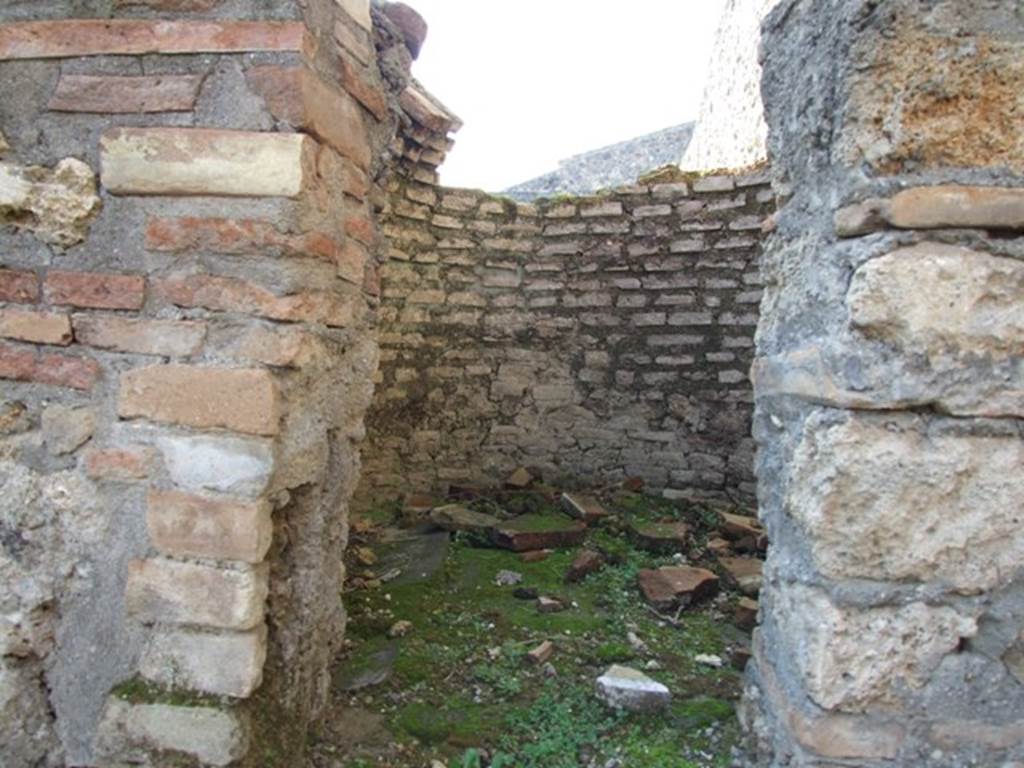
(180, 6)
(361, 228)
(170, 338)
(27, 364)
(19, 286)
(95, 290)
(119, 464)
(124, 95)
(226, 294)
(98, 37)
(237, 399)
(355, 81)
(235, 236)
(298, 97)
(37, 327)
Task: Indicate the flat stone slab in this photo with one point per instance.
(531, 532)
(673, 586)
(662, 538)
(626, 688)
(365, 672)
(585, 508)
(740, 526)
(417, 557)
(455, 517)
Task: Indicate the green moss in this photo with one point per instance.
(611, 653)
(701, 712)
(424, 722)
(538, 523)
(139, 691)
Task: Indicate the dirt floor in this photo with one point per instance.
(438, 669)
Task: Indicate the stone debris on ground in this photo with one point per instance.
(626, 688)
(623, 585)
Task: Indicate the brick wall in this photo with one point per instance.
(592, 338)
(187, 298)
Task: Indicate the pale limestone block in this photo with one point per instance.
(160, 590)
(852, 658)
(221, 664)
(223, 464)
(184, 525)
(56, 205)
(881, 499)
(195, 161)
(957, 206)
(936, 299)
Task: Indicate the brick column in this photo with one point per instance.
(188, 337)
(890, 388)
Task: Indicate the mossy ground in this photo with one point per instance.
(461, 691)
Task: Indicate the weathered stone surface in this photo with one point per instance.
(956, 206)
(133, 732)
(238, 399)
(359, 10)
(541, 654)
(853, 658)
(56, 205)
(170, 338)
(36, 327)
(97, 37)
(184, 525)
(745, 572)
(108, 94)
(861, 218)
(740, 526)
(119, 464)
(66, 429)
(224, 464)
(199, 161)
(955, 734)
(185, 593)
(673, 586)
(936, 299)
(19, 286)
(625, 688)
(886, 499)
(27, 735)
(221, 664)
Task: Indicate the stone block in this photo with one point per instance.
(133, 733)
(109, 94)
(283, 347)
(172, 592)
(57, 205)
(124, 37)
(359, 11)
(956, 206)
(201, 161)
(884, 499)
(625, 688)
(169, 338)
(220, 664)
(238, 399)
(28, 364)
(95, 290)
(36, 327)
(185, 525)
(190, 234)
(67, 429)
(937, 299)
(223, 464)
(853, 659)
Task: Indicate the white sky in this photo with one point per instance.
(536, 81)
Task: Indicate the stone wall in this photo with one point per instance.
(187, 296)
(592, 339)
(890, 388)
